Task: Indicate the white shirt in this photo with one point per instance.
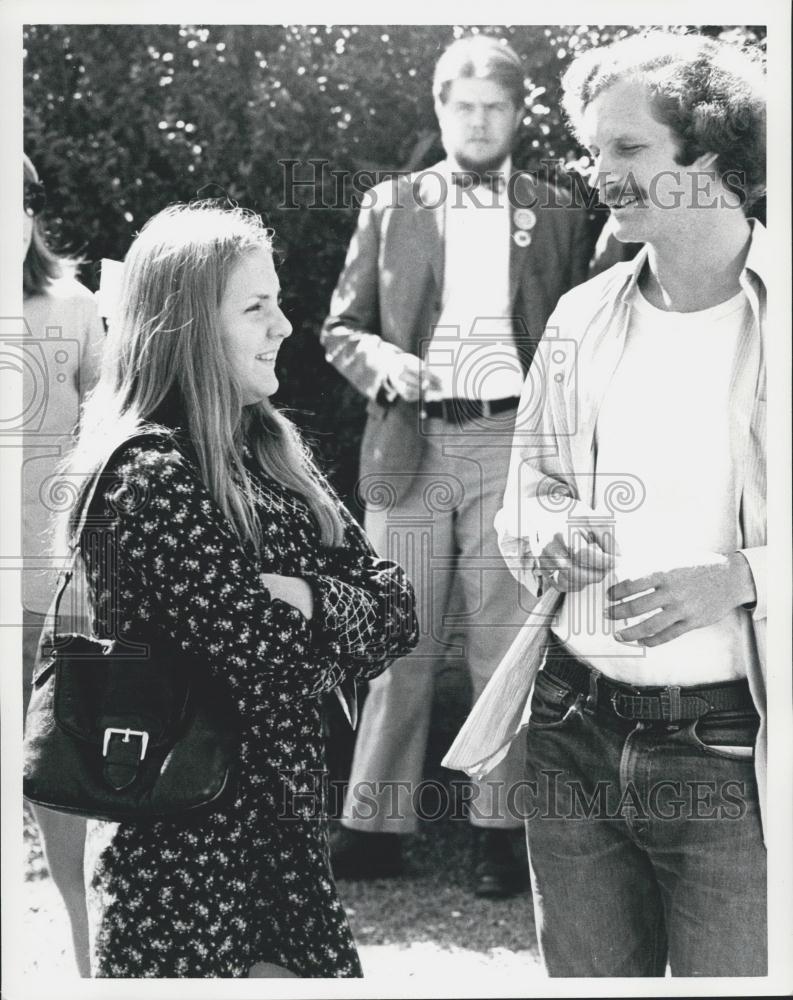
(553, 456)
(472, 349)
(662, 431)
(63, 352)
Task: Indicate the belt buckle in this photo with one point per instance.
(618, 694)
(669, 705)
(617, 712)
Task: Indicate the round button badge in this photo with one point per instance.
(521, 238)
(524, 218)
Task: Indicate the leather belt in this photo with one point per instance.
(667, 704)
(460, 410)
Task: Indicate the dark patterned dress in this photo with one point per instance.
(211, 896)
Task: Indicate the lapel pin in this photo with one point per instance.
(521, 238)
(524, 218)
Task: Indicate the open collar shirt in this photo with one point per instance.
(552, 475)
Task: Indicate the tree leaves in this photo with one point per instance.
(122, 120)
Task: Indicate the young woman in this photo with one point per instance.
(229, 546)
(54, 303)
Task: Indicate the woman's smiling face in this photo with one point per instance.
(252, 325)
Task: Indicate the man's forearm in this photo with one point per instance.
(360, 356)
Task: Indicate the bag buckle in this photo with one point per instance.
(126, 733)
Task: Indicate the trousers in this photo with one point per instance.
(437, 522)
(644, 840)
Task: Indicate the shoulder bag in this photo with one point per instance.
(121, 730)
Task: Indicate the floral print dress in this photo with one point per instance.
(211, 896)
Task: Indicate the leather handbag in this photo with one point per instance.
(125, 730)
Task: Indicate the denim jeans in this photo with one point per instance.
(644, 840)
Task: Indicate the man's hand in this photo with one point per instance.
(408, 377)
(571, 568)
(292, 590)
(681, 599)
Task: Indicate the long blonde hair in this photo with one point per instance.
(164, 364)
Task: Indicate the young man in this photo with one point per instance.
(638, 494)
(450, 278)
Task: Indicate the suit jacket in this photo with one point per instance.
(388, 296)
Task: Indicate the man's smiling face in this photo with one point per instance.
(635, 166)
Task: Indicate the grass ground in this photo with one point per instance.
(433, 901)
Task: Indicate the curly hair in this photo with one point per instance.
(710, 93)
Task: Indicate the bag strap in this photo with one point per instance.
(65, 576)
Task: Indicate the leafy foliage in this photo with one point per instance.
(122, 120)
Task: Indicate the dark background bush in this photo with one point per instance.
(122, 120)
